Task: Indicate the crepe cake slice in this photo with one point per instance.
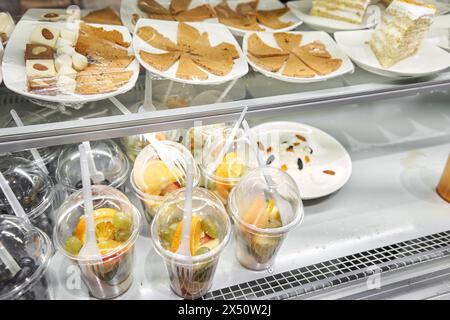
(223, 10)
(199, 13)
(245, 23)
(258, 48)
(113, 36)
(156, 39)
(178, 6)
(270, 18)
(215, 61)
(272, 64)
(229, 48)
(188, 70)
(296, 68)
(187, 36)
(317, 49)
(287, 41)
(321, 66)
(160, 61)
(103, 16)
(153, 7)
(247, 8)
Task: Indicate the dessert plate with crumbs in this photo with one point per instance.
(298, 57)
(429, 60)
(317, 162)
(302, 10)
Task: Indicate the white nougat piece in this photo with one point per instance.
(67, 71)
(40, 68)
(66, 84)
(66, 50)
(44, 35)
(70, 36)
(401, 31)
(79, 62)
(63, 60)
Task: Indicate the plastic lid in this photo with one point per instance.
(140, 142)
(48, 154)
(251, 197)
(30, 248)
(32, 187)
(108, 158)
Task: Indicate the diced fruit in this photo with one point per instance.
(157, 177)
(211, 244)
(107, 246)
(121, 220)
(170, 188)
(104, 231)
(201, 250)
(122, 235)
(195, 235)
(73, 245)
(100, 215)
(256, 207)
(231, 166)
(210, 228)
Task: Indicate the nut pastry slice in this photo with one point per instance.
(272, 64)
(156, 39)
(287, 41)
(247, 8)
(153, 7)
(270, 18)
(187, 36)
(296, 68)
(317, 49)
(160, 61)
(229, 49)
(199, 13)
(188, 70)
(321, 66)
(258, 48)
(215, 62)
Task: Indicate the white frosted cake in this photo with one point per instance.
(351, 11)
(401, 31)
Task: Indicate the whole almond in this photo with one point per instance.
(47, 34)
(40, 67)
(38, 50)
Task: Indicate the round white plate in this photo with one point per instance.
(15, 73)
(428, 60)
(129, 7)
(302, 9)
(439, 37)
(308, 37)
(442, 8)
(263, 5)
(328, 154)
(217, 33)
(1, 59)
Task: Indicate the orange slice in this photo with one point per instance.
(103, 225)
(195, 235)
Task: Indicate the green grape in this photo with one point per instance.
(122, 235)
(121, 220)
(73, 245)
(274, 223)
(210, 228)
(201, 250)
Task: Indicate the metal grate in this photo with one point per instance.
(339, 271)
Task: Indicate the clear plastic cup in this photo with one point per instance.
(259, 229)
(32, 250)
(133, 145)
(153, 186)
(108, 158)
(112, 275)
(33, 189)
(191, 276)
(237, 161)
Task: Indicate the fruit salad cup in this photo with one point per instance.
(117, 224)
(108, 158)
(191, 276)
(133, 145)
(32, 250)
(198, 136)
(259, 227)
(152, 181)
(33, 189)
(236, 162)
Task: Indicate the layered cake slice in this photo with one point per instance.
(351, 11)
(401, 31)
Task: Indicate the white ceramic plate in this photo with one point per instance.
(302, 8)
(129, 7)
(36, 14)
(263, 5)
(14, 65)
(217, 34)
(442, 7)
(439, 37)
(428, 60)
(328, 154)
(308, 37)
(1, 59)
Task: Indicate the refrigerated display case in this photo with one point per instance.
(385, 234)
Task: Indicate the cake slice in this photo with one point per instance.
(156, 39)
(258, 48)
(187, 36)
(271, 18)
(272, 64)
(296, 68)
(215, 62)
(160, 61)
(188, 70)
(317, 49)
(351, 11)
(287, 41)
(199, 13)
(401, 31)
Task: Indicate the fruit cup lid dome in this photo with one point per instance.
(47, 154)
(108, 158)
(31, 186)
(30, 248)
